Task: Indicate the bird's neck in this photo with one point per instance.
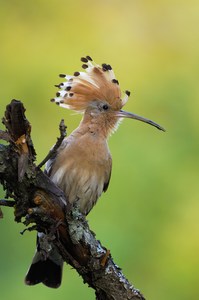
(98, 127)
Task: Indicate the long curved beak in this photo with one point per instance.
(125, 114)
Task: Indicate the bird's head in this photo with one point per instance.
(96, 92)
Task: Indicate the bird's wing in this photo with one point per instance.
(109, 168)
(49, 164)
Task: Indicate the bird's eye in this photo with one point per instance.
(105, 106)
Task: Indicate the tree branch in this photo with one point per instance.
(52, 152)
(40, 202)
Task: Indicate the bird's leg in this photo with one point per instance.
(54, 229)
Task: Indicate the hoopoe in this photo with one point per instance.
(82, 166)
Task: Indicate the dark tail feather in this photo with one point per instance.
(48, 271)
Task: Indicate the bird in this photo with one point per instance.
(83, 163)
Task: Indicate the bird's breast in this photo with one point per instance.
(81, 170)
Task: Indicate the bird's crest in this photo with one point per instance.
(95, 83)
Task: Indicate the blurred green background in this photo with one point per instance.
(149, 216)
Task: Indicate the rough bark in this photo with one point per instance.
(37, 201)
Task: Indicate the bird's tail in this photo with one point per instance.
(45, 270)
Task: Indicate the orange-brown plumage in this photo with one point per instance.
(96, 83)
